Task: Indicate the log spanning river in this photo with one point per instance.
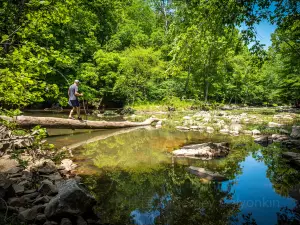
(137, 181)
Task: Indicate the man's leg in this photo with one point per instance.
(72, 110)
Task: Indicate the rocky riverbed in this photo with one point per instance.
(41, 192)
(47, 194)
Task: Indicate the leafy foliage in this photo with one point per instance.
(138, 51)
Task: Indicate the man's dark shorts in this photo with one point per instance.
(74, 103)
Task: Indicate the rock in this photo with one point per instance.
(4, 146)
(29, 191)
(47, 168)
(210, 129)
(206, 174)
(222, 113)
(263, 141)
(68, 164)
(247, 132)
(28, 215)
(50, 223)
(72, 199)
(16, 202)
(272, 124)
(65, 221)
(41, 200)
(24, 183)
(295, 132)
(206, 150)
(53, 177)
(4, 132)
(14, 170)
(41, 218)
(23, 143)
(255, 132)
(293, 157)
(47, 188)
(187, 117)
(236, 127)
(279, 137)
(194, 127)
(182, 128)
(18, 189)
(80, 221)
(224, 131)
(31, 197)
(226, 107)
(283, 131)
(234, 132)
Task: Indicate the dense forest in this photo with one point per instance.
(138, 51)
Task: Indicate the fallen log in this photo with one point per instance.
(53, 122)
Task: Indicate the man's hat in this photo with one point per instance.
(76, 81)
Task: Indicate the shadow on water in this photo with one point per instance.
(136, 181)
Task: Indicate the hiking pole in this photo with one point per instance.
(84, 109)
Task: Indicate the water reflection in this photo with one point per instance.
(137, 181)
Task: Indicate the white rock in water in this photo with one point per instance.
(224, 131)
(205, 150)
(194, 127)
(255, 132)
(210, 129)
(247, 132)
(182, 128)
(272, 124)
(236, 127)
(234, 132)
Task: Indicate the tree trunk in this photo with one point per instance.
(53, 122)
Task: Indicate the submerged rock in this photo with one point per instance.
(72, 199)
(206, 174)
(206, 150)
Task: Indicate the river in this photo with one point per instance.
(137, 181)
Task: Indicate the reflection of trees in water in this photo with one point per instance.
(281, 174)
(289, 216)
(179, 197)
(285, 180)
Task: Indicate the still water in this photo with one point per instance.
(137, 181)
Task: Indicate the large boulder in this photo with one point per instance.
(73, 199)
(206, 150)
(295, 132)
(206, 174)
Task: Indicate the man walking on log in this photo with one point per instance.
(73, 99)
